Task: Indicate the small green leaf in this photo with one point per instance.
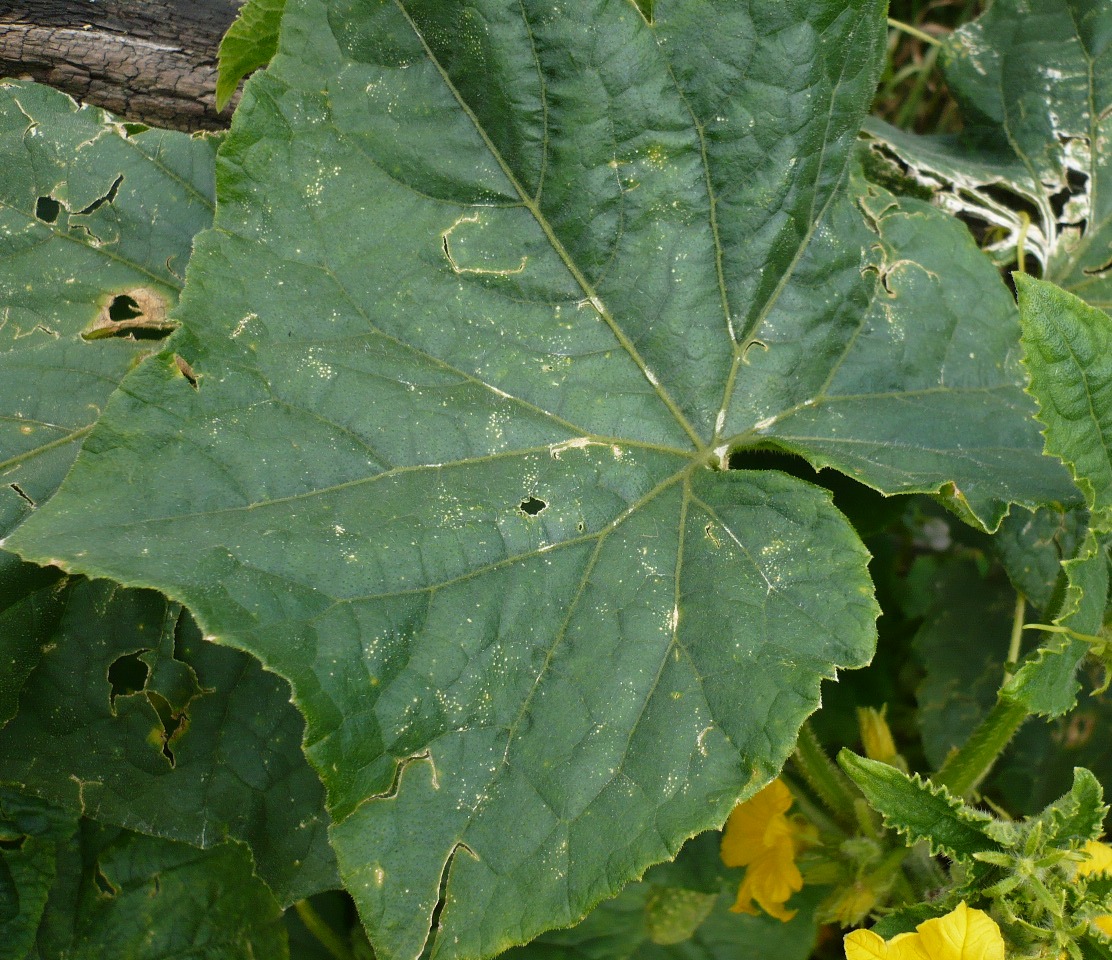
(919, 810)
(1032, 545)
(1075, 817)
(250, 43)
(1068, 355)
(961, 644)
(673, 914)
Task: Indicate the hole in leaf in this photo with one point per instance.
(128, 674)
(123, 308)
(173, 724)
(19, 492)
(139, 313)
(12, 843)
(47, 209)
(109, 197)
(531, 506)
(104, 885)
(1096, 271)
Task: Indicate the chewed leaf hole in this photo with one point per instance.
(138, 313)
(531, 506)
(47, 209)
(128, 674)
(104, 885)
(122, 308)
(12, 843)
(19, 492)
(109, 197)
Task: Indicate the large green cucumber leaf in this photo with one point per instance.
(130, 718)
(495, 292)
(133, 897)
(1034, 80)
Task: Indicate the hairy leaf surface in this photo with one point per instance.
(495, 291)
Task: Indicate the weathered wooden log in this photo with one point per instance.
(151, 61)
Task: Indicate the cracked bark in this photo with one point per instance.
(151, 61)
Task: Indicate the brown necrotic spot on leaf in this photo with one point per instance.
(186, 370)
(139, 313)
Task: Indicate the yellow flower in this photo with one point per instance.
(1098, 860)
(963, 934)
(760, 837)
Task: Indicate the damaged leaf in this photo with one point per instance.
(130, 718)
(1031, 167)
(143, 898)
(91, 216)
(522, 287)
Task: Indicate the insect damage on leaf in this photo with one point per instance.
(138, 312)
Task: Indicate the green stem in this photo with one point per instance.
(913, 32)
(1017, 634)
(327, 937)
(831, 785)
(1021, 242)
(968, 766)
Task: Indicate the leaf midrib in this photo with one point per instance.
(530, 203)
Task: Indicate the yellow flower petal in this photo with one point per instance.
(760, 837)
(755, 823)
(963, 934)
(1099, 858)
(866, 945)
(1103, 924)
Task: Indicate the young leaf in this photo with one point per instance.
(1077, 816)
(250, 42)
(919, 810)
(492, 302)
